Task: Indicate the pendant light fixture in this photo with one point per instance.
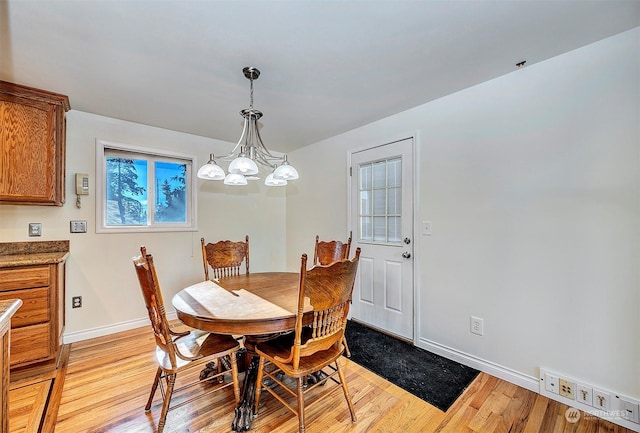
(249, 152)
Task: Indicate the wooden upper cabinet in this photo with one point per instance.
(32, 145)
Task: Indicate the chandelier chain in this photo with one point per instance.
(251, 104)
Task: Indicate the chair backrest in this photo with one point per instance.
(327, 252)
(225, 257)
(152, 295)
(329, 290)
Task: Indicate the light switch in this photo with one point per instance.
(78, 227)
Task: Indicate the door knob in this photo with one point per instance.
(406, 254)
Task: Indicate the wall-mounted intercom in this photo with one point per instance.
(82, 184)
(82, 187)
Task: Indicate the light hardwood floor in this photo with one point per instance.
(108, 380)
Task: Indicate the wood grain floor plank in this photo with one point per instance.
(27, 406)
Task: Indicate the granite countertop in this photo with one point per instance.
(33, 253)
(7, 309)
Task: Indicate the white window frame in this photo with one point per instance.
(102, 148)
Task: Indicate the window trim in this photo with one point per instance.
(102, 147)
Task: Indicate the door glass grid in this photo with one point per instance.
(380, 192)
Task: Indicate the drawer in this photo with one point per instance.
(24, 277)
(34, 309)
(30, 344)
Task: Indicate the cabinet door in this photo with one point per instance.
(24, 277)
(31, 344)
(29, 155)
(4, 381)
(35, 306)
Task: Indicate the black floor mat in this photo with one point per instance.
(437, 380)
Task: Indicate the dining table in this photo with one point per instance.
(257, 306)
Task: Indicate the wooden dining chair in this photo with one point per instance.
(225, 257)
(316, 344)
(177, 352)
(326, 252)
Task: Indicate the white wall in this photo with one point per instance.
(99, 267)
(532, 183)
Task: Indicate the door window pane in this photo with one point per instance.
(394, 169)
(394, 201)
(365, 202)
(394, 229)
(379, 174)
(365, 177)
(366, 229)
(379, 202)
(379, 229)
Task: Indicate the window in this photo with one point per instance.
(380, 201)
(141, 189)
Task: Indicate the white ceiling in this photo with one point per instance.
(327, 66)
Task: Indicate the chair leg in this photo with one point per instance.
(171, 380)
(300, 392)
(258, 386)
(234, 377)
(220, 370)
(154, 387)
(346, 347)
(346, 392)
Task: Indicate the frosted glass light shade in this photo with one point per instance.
(285, 172)
(272, 181)
(211, 171)
(243, 165)
(235, 179)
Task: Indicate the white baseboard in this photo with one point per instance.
(502, 372)
(529, 382)
(72, 337)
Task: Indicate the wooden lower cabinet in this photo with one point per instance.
(36, 328)
(4, 367)
(7, 310)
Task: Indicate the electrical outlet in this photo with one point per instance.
(584, 394)
(601, 399)
(628, 409)
(76, 302)
(608, 405)
(477, 325)
(567, 389)
(35, 229)
(551, 383)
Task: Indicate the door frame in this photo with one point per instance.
(414, 136)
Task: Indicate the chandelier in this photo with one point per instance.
(249, 152)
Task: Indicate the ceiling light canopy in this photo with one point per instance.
(249, 152)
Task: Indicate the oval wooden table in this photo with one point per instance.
(258, 306)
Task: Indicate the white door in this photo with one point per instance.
(381, 201)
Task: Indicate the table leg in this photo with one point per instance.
(316, 377)
(244, 412)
